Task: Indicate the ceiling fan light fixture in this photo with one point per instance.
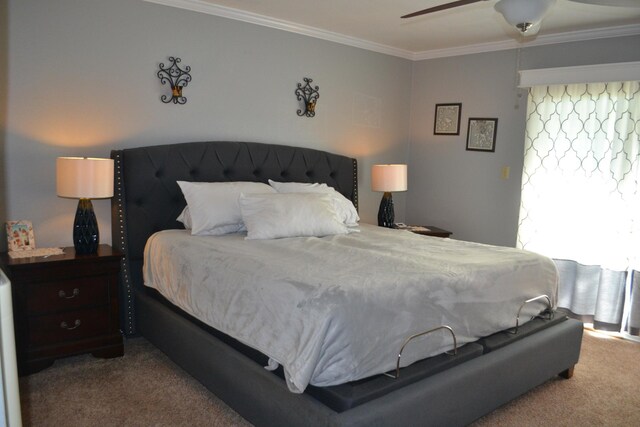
(523, 14)
(524, 26)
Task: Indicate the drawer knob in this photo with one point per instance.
(65, 325)
(63, 294)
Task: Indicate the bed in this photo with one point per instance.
(440, 390)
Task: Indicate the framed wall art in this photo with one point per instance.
(447, 120)
(481, 135)
(20, 236)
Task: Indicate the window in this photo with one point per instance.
(581, 194)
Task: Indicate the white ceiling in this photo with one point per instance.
(376, 24)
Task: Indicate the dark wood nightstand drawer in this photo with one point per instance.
(52, 270)
(70, 294)
(64, 305)
(68, 326)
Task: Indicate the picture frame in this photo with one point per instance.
(20, 236)
(447, 119)
(481, 134)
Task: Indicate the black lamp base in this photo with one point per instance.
(85, 229)
(386, 216)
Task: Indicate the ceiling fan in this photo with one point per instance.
(523, 14)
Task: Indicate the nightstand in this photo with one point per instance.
(65, 305)
(426, 230)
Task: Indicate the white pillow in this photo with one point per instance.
(185, 218)
(213, 206)
(273, 216)
(343, 206)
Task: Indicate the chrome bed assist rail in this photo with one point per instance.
(452, 353)
(548, 310)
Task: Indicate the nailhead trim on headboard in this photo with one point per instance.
(355, 183)
(119, 234)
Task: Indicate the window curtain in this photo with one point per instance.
(581, 196)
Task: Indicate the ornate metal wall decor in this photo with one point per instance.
(309, 96)
(177, 78)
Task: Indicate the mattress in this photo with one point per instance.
(337, 309)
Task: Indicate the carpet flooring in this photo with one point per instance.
(144, 388)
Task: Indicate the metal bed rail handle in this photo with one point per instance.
(539, 297)
(409, 339)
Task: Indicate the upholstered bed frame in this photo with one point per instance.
(440, 391)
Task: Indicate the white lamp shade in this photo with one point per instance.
(389, 178)
(84, 178)
(523, 11)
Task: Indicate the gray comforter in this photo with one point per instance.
(336, 309)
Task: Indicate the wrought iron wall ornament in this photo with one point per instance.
(177, 78)
(309, 96)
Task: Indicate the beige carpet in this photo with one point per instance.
(144, 388)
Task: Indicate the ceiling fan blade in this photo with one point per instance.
(621, 3)
(441, 7)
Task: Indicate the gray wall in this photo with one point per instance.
(4, 65)
(82, 82)
(462, 190)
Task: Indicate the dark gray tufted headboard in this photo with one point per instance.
(147, 198)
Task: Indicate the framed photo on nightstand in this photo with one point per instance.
(20, 236)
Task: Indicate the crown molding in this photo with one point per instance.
(279, 24)
(466, 50)
(573, 36)
(266, 21)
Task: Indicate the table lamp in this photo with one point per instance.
(388, 178)
(85, 179)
